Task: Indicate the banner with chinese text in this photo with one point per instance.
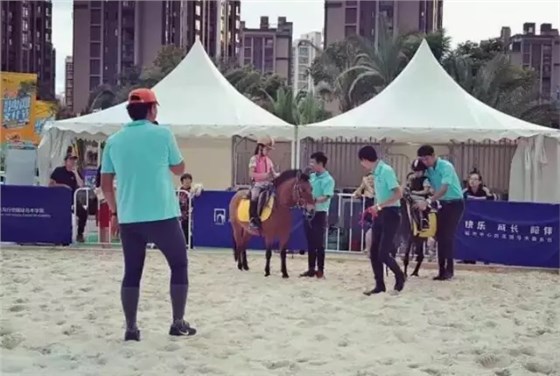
(44, 112)
(510, 233)
(32, 214)
(18, 107)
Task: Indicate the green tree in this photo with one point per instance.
(303, 108)
(502, 85)
(327, 69)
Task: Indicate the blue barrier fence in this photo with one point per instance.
(33, 214)
(510, 233)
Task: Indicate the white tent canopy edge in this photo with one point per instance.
(425, 105)
(196, 101)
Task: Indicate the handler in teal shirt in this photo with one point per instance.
(447, 190)
(315, 229)
(385, 182)
(443, 172)
(323, 186)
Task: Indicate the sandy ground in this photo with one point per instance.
(61, 315)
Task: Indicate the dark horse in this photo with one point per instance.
(291, 189)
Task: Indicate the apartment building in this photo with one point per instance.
(539, 51)
(268, 48)
(26, 35)
(304, 52)
(344, 18)
(112, 36)
(69, 83)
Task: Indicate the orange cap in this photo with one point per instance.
(142, 96)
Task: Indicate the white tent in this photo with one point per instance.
(425, 105)
(195, 101)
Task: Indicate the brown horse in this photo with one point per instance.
(291, 189)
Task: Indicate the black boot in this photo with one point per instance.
(253, 214)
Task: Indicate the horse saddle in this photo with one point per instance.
(265, 203)
(428, 232)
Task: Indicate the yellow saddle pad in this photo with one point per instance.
(243, 210)
(430, 232)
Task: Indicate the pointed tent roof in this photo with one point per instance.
(424, 104)
(195, 100)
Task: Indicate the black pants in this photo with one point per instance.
(448, 219)
(82, 215)
(315, 230)
(186, 231)
(385, 228)
(168, 236)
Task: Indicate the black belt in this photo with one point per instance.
(449, 202)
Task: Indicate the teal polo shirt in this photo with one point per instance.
(385, 181)
(442, 173)
(323, 185)
(140, 155)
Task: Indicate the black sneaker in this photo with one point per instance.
(132, 335)
(181, 328)
(376, 290)
(309, 273)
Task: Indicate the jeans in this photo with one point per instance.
(448, 219)
(315, 230)
(385, 228)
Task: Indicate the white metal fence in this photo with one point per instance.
(84, 196)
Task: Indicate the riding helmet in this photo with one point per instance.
(418, 165)
(266, 141)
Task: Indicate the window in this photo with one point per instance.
(349, 30)
(95, 16)
(351, 15)
(95, 33)
(94, 66)
(516, 47)
(95, 49)
(93, 82)
(25, 26)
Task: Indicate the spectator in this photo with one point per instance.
(185, 202)
(68, 176)
(476, 190)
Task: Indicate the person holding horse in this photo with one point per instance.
(387, 214)
(262, 173)
(322, 184)
(448, 191)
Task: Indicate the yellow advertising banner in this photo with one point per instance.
(44, 112)
(18, 92)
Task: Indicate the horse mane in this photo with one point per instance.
(290, 174)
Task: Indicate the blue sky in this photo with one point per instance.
(464, 20)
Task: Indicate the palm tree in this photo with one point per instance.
(300, 109)
(327, 68)
(502, 85)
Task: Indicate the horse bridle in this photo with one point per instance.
(300, 202)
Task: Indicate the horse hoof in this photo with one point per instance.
(245, 267)
(414, 275)
(239, 267)
(285, 276)
(266, 274)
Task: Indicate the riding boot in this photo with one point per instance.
(253, 213)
